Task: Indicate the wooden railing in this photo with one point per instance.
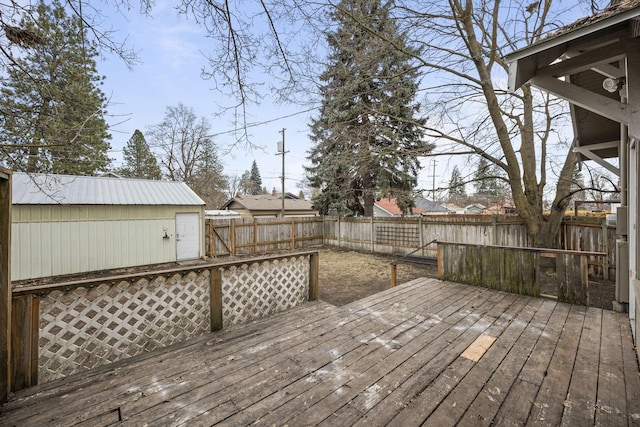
(527, 271)
(63, 328)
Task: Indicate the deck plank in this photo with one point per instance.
(580, 404)
(519, 401)
(391, 359)
(413, 377)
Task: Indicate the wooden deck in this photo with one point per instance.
(427, 352)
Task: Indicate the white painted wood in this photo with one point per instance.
(188, 234)
(599, 104)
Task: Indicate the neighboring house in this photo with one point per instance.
(500, 209)
(474, 209)
(386, 208)
(65, 224)
(429, 207)
(270, 205)
(221, 214)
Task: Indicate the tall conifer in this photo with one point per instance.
(52, 105)
(367, 137)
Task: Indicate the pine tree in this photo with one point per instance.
(53, 107)
(251, 182)
(255, 179)
(456, 184)
(139, 160)
(367, 137)
(487, 180)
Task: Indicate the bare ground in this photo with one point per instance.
(347, 276)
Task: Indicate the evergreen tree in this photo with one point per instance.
(456, 184)
(51, 101)
(488, 180)
(255, 179)
(251, 182)
(139, 160)
(366, 138)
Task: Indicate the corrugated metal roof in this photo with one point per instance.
(41, 189)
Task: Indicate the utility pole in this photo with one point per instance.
(433, 187)
(282, 152)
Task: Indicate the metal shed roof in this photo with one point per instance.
(49, 189)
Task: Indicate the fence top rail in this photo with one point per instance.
(46, 288)
(522, 248)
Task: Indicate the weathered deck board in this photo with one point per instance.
(391, 359)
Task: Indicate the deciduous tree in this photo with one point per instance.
(187, 153)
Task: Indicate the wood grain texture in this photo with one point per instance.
(394, 358)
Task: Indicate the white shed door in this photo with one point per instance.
(187, 236)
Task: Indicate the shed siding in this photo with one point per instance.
(59, 240)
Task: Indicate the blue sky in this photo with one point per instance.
(170, 49)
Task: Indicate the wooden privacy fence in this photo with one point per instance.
(245, 236)
(526, 271)
(404, 235)
(65, 328)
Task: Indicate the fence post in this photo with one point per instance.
(24, 341)
(5, 284)
(255, 235)
(373, 240)
(314, 266)
(232, 236)
(421, 234)
(215, 298)
(293, 233)
(605, 249)
(339, 231)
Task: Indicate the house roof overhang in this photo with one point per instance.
(574, 63)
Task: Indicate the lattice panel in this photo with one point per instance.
(88, 327)
(255, 290)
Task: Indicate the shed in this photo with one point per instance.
(64, 224)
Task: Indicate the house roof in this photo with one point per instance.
(49, 189)
(270, 202)
(573, 63)
(429, 206)
(391, 206)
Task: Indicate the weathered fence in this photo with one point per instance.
(260, 235)
(67, 327)
(526, 271)
(404, 235)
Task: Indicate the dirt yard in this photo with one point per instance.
(347, 276)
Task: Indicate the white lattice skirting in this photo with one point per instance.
(86, 327)
(251, 291)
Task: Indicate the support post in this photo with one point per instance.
(394, 275)
(314, 267)
(215, 300)
(24, 339)
(5, 284)
(605, 249)
(293, 233)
